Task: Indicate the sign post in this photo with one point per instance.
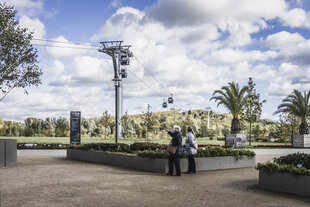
(75, 127)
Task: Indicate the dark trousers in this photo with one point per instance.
(191, 163)
(174, 158)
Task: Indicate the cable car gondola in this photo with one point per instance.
(124, 73)
(195, 115)
(170, 99)
(183, 113)
(165, 104)
(189, 112)
(200, 113)
(124, 59)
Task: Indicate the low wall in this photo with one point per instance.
(158, 165)
(285, 182)
(8, 152)
(235, 140)
(301, 140)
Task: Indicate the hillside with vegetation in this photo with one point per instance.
(151, 125)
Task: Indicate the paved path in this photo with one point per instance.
(31, 153)
(63, 153)
(46, 178)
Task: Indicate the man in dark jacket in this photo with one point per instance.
(175, 158)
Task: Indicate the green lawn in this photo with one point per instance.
(66, 140)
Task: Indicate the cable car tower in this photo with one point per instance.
(120, 56)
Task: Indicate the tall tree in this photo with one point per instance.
(18, 58)
(148, 120)
(232, 97)
(252, 106)
(125, 122)
(106, 121)
(297, 104)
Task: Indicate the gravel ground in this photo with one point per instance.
(56, 181)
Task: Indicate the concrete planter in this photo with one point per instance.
(158, 165)
(285, 182)
(301, 140)
(8, 152)
(235, 140)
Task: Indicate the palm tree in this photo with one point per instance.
(297, 104)
(232, 97)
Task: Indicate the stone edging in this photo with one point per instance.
(158, 165)
(299, 184)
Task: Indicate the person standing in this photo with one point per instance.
(191, 146)
(175, 158)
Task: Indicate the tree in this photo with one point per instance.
(62, 127)
(106, 121)
(297, 104)
(18, 58)
(125, 122)
(232, 97)
(148, 121)
(253, 107)
(293, 122)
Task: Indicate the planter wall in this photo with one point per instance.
(235, 140)
(8, 152)
(285, 182)
(301, 140)
(158, 165)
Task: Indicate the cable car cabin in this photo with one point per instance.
(189, 112)
(170, 99)
(195, 115)
(124, 59)
(183, 113)
(200, 114)
(165, 104)
(124, 73)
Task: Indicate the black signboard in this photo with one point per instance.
(75, 127)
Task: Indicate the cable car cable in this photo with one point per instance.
(65, 47)
(145, 84)
(152, 74)
(62, 42)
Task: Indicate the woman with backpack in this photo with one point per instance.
(191, 147)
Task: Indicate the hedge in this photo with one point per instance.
(153, 150)
(295, 164)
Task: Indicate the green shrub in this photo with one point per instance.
(270, 167)
(220, 152)
(153, 150)
(295, 159)
(295, 164)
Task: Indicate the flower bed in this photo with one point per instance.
(273, 146)
(153, 157)
(41, 146)
(153, 150)
(290, 173)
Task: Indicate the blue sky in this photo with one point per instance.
(192, 47)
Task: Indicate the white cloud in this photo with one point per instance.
(296, 17)
(57, 69)
(34, 25)
(26, 7)
(116, 3)
(290, 47)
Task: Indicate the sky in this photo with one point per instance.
(191, 48)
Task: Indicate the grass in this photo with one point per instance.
(66, 140)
